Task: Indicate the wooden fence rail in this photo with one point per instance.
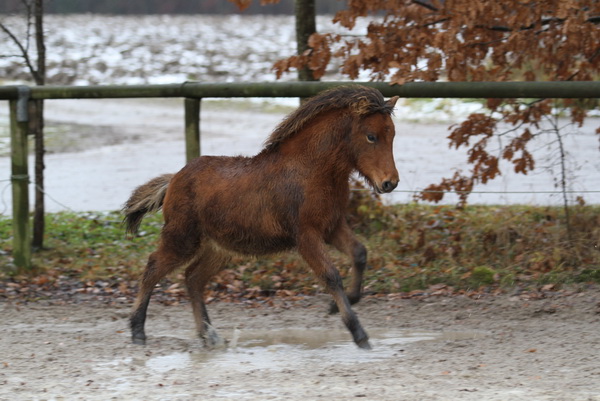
(18, 97)
(564, 89)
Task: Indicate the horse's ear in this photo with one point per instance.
(392, 101)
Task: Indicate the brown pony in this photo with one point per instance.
(292, 195)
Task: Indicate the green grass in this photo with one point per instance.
(410, 247)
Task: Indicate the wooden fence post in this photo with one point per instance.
(192, 128)
(20, 182)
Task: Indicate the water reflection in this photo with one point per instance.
(284, 349)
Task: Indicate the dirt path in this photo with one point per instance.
(495, 348)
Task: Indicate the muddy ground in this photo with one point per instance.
(505, 347)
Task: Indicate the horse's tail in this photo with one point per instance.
(146, 198)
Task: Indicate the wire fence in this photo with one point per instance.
(63, 205)
(193, 93)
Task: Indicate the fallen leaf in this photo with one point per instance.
(548, 287)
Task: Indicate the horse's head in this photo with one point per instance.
(361, 116)
(372, 139)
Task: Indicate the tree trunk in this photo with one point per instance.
(37, 126)
(305, 26)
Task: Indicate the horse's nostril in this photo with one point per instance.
(388, 186)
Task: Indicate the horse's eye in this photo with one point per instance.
(371, 138)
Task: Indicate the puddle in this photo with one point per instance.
(278, 350)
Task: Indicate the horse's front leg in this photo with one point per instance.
(343, 240)
(312, 249)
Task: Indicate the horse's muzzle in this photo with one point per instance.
(389, 186)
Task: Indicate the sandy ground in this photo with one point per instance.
(506, 347)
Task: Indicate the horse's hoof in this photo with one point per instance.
(138, 340)
(364, 344)
(212, 340)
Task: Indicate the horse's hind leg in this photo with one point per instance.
(160, 263)
(344, 241)
(197, 275)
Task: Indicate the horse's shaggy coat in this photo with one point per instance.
(292, 195)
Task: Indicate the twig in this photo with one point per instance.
(563, 171)
(425, 4)
(17, 42)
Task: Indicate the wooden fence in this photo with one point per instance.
(193, 92)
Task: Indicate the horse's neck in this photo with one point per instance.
(321, 144)
(317, 153)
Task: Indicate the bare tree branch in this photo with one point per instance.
(425, 4)
(22, 48)
(543, 22)
(10, 55)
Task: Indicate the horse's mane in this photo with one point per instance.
(360, 100)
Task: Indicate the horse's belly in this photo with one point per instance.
(251, 216)
(253, 243)
(251, 233)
